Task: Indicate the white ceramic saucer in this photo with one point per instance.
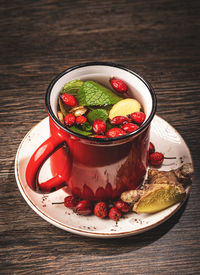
(166, 140)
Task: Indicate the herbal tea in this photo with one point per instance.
(109, 111)
(90, 109)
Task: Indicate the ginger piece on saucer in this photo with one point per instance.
(158, 197)
(132, 196)
(181, 175)
(162, 189)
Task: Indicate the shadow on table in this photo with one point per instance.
(127, 244)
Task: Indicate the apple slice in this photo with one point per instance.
(124, 107)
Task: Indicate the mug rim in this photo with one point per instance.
(102, 140)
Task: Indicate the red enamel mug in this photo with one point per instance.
(94, 169)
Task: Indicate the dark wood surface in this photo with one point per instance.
(39, 39)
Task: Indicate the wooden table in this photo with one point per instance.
(39, 39)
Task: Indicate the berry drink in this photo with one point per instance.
(90, 109)
(84, 113)
(97, 146)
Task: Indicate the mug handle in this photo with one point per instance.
(44, 151)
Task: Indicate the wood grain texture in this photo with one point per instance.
(159, 39)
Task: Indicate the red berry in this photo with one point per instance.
(151, 148)
(118, 85)
(69, 100)
(100, 136)
(130, 127)
(138, 117)
(119, 120)
(84, 207)
(122, 206)
(101, 209)
(156, 158)
(115, 132)
(114, 214)
(69, 119)
(70, 202)
(81, 120)
(99, 126)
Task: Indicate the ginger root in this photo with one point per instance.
(159, 197)
(132, 196)
(164, 189)
(182, 175)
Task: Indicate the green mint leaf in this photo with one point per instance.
(94, 94)
(86, 127)
(97, 114)
(72, 87)
(79, 131)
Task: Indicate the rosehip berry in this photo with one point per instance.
(115, 132)
(122, 206)
(118, 120)
(99, 126)
(151, 148)
(69, 119)
(70, 202)
(130, 127)
(138, 117)
(100, 136)
(101, 209)
(156, 158)
(69, 100)
(114, 214)
(84, 207)
(81, 120)
(118, 85)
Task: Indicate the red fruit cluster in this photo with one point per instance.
(70, 120)
(126, 124)
(81, 207)
(100, 209)
(118, 209)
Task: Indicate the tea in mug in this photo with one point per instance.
(93, 110)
